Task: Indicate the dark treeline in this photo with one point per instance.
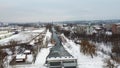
(114, 38)
(94, 37)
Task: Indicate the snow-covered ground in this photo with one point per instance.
(5, 35)
(47, 37)
(43, 53)
(105, 47)
(41, 56)
(37, 30)
(22, 36)
(83, 60)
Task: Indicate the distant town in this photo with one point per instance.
(66, 44)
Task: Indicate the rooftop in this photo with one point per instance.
(58, 50)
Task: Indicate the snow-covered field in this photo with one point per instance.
(5, 35)
(41, 57)
(22, 36)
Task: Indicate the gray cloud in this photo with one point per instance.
(58, 10)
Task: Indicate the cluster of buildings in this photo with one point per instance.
(116, 28)
(3, 24)
(90, 29)
(22, 55)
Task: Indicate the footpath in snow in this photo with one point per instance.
(41, 57)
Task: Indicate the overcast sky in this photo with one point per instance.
(58, 10)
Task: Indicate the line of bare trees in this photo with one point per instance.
(13, 44)
(2, 56)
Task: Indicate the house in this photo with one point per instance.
(108, 27)
(116, 28)
(27, 52)
(21, 57)
(109, 33)
(99, 29)
(89, 29)
(81, 29)
(62, 62)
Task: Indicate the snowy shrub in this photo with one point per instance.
(12, 44)
(87, 48)
(49, 26)
(116, 54)
(109, 63)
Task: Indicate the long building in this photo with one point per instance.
(59, 57)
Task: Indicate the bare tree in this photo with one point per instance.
(2, 56)
(12, 44)
(87, 48)
(39, 43)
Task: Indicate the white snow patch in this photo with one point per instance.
(29, 58)
(41, 57)
(22, 37)
(47, 37)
